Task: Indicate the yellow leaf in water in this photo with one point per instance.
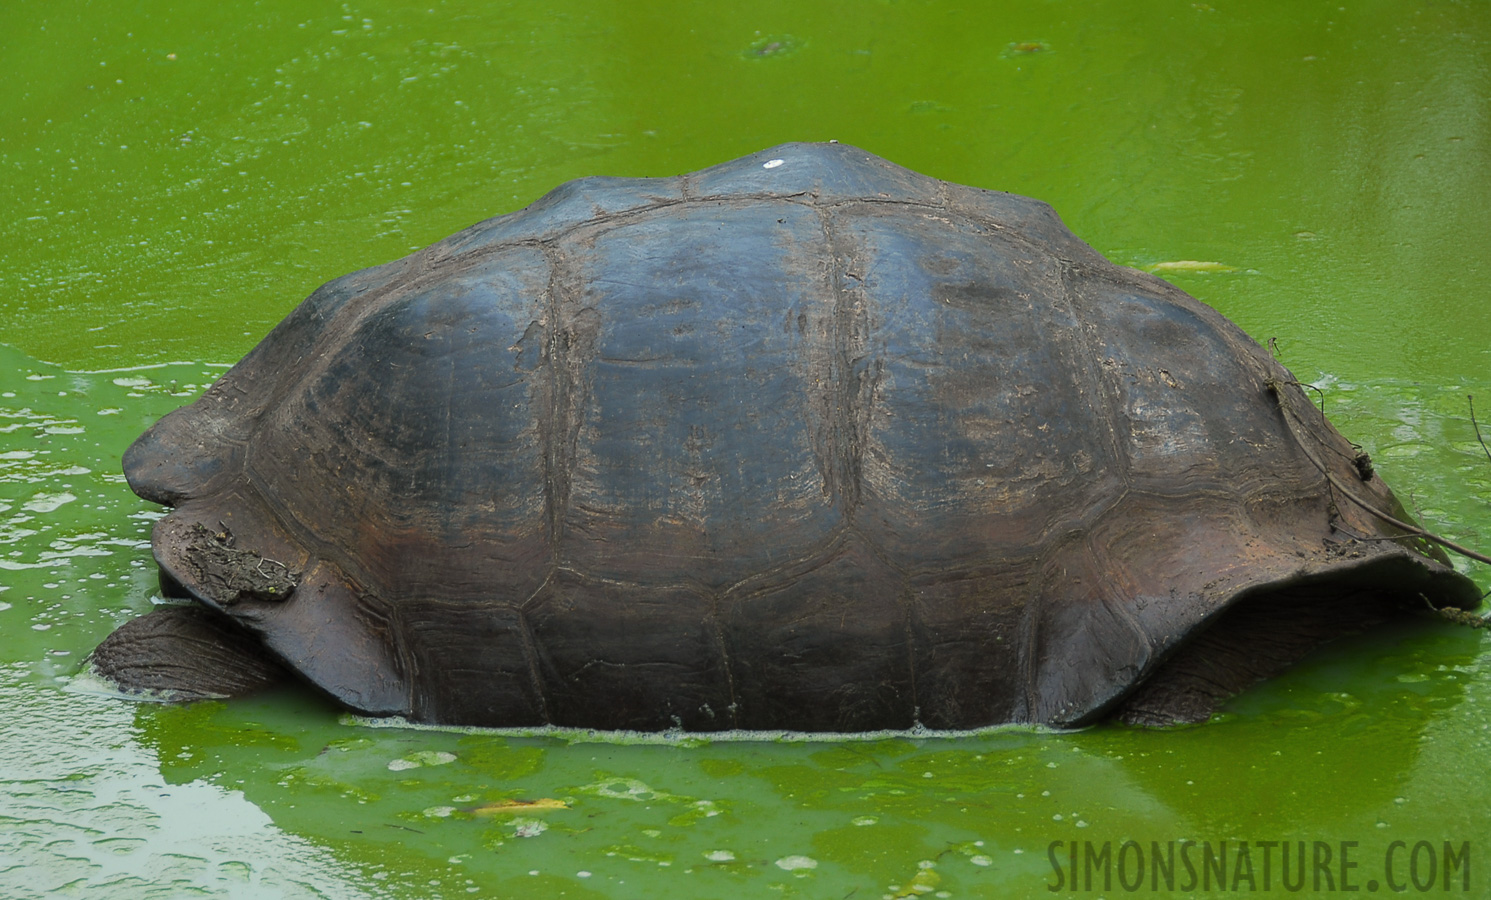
(1189, 265)
(503, 807)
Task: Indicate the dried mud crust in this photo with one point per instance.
(229, 575)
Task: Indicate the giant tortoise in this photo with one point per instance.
(802, 441)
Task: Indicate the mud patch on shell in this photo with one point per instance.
(229, 575)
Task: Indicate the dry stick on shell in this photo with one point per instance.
(1292, 419)
(1470, 400)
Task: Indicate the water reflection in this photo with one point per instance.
(87, 813)
(1318, 752)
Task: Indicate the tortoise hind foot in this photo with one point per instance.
(1256, 639)
(180, 653)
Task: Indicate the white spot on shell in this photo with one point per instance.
(772, 163)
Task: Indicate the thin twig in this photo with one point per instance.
(1292, 420)
(1273, 349)
(1317, 391)
(1470, 399)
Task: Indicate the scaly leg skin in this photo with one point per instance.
(182, 653)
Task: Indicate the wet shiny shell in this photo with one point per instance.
(805, 440)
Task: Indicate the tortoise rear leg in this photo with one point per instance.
(185, 653)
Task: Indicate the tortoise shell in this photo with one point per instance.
(805, 440)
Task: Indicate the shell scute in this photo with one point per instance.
(823, 173)
(822, 644)
(651, 654)
(695, 395)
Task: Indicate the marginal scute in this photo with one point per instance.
(968, 637)
(802, 441)
(652, 657)
(822, 644)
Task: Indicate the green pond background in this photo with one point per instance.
(176, 177)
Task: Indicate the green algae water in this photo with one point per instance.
(177, 177)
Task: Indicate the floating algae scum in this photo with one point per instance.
(1314, 173)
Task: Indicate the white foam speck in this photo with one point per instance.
(527, 828)
(421, 758)
(45, 503)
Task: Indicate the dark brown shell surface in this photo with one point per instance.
(805, 440)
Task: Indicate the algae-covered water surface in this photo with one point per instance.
(178, 176)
